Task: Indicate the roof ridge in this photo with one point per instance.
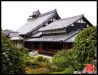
(49, 12)
(69, 17)
(74, 16)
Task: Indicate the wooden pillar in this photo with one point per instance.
(63, 45)
(40, 46)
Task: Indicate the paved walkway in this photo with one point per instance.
(35, 53)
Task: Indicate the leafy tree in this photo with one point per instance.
(85, 47)
(11, 57)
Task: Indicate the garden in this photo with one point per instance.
(18, 61)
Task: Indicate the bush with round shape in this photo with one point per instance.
(85, 47)
(39, 58)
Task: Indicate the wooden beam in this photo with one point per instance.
(87, 21)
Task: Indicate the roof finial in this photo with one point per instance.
(55, 9)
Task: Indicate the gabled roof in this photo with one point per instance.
(50, 12)
(53, 38)
(32, 25)
(61, 23)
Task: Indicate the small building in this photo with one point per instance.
(17, 40)
(7, 31)
(48, 33)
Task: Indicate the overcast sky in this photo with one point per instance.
(15, 14)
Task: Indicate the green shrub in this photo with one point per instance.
(63, 59)
(85, 47)
(69, 70)
(53, 68)
(31, 61)
(37, 62)
(28, 58)
(11, 56)
(34, 64)
(39, 58)
(46, 60)
(57, 72)
(66, 71)
(44, 65)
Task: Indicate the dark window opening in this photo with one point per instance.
(52, 46)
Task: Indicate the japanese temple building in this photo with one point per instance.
(48, 33)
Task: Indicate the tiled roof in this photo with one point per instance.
(61, 23)
(71, 39)
(31, 25)
(37, 34)
(53, 38)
